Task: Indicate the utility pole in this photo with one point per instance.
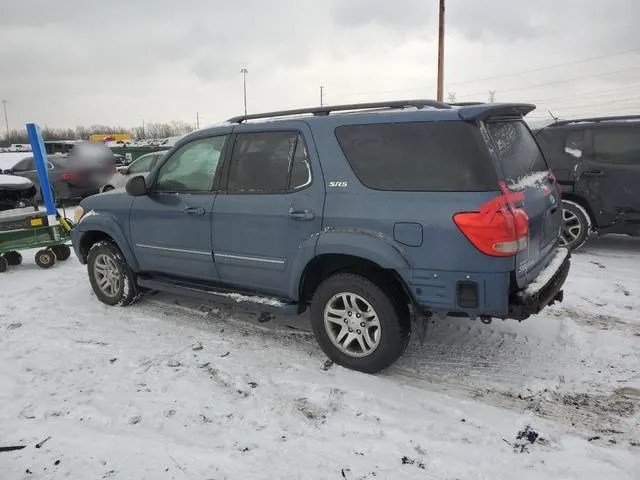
(441, 52)
(143, 135)
(197, 121)
(492, 96)
(6, 119)
(244, 72)
(452, 97)
(321, 95)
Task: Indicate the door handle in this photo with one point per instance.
(593, 173)
(301, 214)
(194, 211)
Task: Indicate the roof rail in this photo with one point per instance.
(464, 104)
(595, 120)
(321, 111)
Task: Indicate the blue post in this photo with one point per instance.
(41, 161)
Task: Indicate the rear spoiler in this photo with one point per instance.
(487, 110)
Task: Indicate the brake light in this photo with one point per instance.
(68, 176)
(499, 229)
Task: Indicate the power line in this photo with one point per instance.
(557, 82)
(540, 69)
(506, 75)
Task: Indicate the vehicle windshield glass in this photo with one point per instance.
(517, 151)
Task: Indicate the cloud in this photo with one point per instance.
(73, 62)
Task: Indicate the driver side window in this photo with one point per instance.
(192, 167)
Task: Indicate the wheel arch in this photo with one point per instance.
(582, 204)
(104, 229)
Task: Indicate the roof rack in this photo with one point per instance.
(465, 104)
(595, 120)
(322, 111)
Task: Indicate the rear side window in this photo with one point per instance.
(269, 162)
(617, 145)
(418, 156)
(518, 152)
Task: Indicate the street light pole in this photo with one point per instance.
(6, 120)
(441, 52)
(244, 72)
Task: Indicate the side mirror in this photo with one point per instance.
(124, 170)
(136, 186)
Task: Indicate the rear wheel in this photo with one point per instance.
(13, 258)
(45, 258)
(358, 324)
(576, 225)
(62, 252)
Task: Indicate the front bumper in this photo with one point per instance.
(545, 290)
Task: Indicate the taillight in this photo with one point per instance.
(499, 229)
(68, 176)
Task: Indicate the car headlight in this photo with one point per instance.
(79, 213)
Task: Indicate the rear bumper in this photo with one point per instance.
(545, 290)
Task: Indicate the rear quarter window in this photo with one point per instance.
(418, 156)
(617, 145)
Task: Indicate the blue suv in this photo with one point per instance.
(370, 215)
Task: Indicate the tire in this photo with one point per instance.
(576, 226)
(62, 252)
(45, 258)
(3, 264)
(13, 258)
(383, 344)
(112, 280)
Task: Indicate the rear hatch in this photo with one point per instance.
(530, 186)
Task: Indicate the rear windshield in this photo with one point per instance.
(518, 152)
(418, 156)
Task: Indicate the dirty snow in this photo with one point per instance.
(171, 388)
(573, 152)
(236, 297)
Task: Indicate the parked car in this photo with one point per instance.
(16, 192)
(140, 166)
(362, 213)
(70, 180)
(597, 163)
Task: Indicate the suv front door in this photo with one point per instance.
(608, 175)
(171, 226)
(271, 207)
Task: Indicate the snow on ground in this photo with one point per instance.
(174, 389)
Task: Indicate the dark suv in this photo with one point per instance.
(369, 214)
(596, 161)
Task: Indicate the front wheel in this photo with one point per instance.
(112, 280)
(13, 258)
(358, 324)
(576, 225)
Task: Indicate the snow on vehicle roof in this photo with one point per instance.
(14, 180)
(9, 159)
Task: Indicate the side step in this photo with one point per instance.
(253, 302)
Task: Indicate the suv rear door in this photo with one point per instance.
(271, 208)
(530, 186)
(608, 175)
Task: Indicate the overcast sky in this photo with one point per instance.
(71, 62)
